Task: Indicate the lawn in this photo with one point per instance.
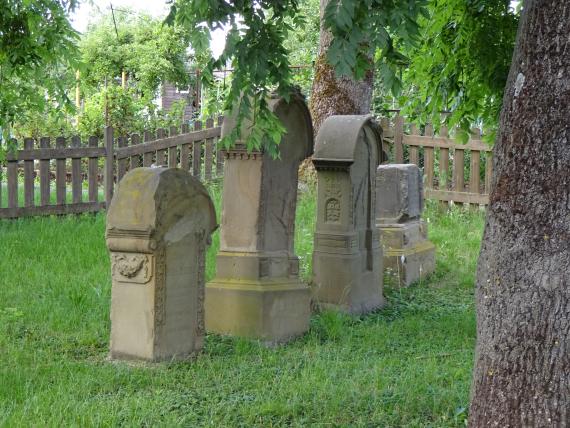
(406, 365)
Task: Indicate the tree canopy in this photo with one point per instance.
(138, 44)
(462, 62)
(37, 44)
(434, 56)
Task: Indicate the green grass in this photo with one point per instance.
(407, 365)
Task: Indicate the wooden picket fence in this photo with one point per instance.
(65, 176)
(452, 172)
(83, 174)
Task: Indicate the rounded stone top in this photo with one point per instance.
(339, 135)
(151, 202)
(293, 113)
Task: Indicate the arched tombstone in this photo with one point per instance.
(347, 262)
(158, 227)
(408, 255)
(257, 292)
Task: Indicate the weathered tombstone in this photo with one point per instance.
(158, 227)
(257, 292)
(347, 262)
(408, 255)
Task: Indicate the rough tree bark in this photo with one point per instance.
(522, 365)
(332, 95)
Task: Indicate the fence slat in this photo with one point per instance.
(173, 151)
(60, 174)
(209, 152)
(219, 153)
(488, 172)
(429, 159)
(147, 156)
(76, 175)
(474, 178)
(459, 170)
(12, 178)
(93, 173)
(444, 161)
(122, 164)
(185, 151)
(29, 175)
(414, 150)
(197, 153)
(135, 159)
(109, 165)
(44, 174)
(398, 139)
(161, 154)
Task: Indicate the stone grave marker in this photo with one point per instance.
(347, 261)
(408, 255)
(158, 228)
(257, 292)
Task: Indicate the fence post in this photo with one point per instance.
(109, 161)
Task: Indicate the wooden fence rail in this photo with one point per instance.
(64, 176)
(452, 172)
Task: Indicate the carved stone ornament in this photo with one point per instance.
(131, 267)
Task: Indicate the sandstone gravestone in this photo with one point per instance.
(408, 255)
(257, 292)
(158, 227)
(347, 262)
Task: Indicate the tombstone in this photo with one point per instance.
(158, 227)
(347, 262)
(408, 255)
(257, 292)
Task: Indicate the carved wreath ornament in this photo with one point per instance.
(134, 267)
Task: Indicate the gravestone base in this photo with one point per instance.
(335, 285)
(410, 264)
(402, 235)
(271, 310)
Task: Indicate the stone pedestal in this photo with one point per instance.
(347, 261)
(408, 255)
(158, 226)
(257, 292)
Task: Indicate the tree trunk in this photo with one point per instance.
(333, 95)
(522, 366)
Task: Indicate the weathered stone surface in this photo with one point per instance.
(347, 261)
(402, 193)
(407, 254)
(257, 292)
(158, 226)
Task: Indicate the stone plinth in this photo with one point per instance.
(158, 227)
(257, 292)
(347, 258)
(408, 255)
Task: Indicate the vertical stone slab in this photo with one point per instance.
(257, 292)
(347, 265)
(408, 255)
(158, 227)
